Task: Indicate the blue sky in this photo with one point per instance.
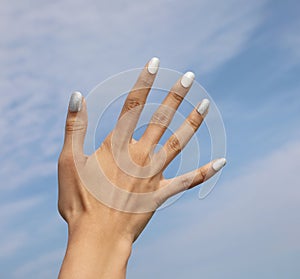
(247, 56)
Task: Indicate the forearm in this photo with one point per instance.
(91, 254)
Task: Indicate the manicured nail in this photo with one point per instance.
(218, 164)
(153, 65)
(203, 107)
(75, 102)
(187, 79)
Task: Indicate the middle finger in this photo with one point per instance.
(164, 114)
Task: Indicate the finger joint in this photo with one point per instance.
(173, 144)
(161, 118)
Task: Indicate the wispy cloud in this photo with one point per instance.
(55, 47)
(12, 243)
(11, 213)
(12, 209)
(43, 266)
(52, 48)
(291, 42)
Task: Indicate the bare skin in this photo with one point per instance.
(100, 236)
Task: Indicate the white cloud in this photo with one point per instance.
(290, 41)
(249, 227)
(12, 243)
(11, 213)
(51, 48)
(44, 266)
(12, 209)
(25, 233)
(79, 32)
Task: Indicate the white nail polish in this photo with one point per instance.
(203, 107)
(75, 102)
(218, 164)
(187, 79)
(153, 65)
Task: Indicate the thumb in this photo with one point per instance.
(76, 124)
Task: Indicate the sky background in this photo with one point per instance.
(247, 56)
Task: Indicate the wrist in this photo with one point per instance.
(95, 252)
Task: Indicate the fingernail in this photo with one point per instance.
(153, 65)
(75, 102)
(218, 164)
(187, 79)
(203, 107)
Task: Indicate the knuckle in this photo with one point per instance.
(186, 182)
(145, 82)
(65, 159)
(201, 174)
(159, 199)
(132, 103)
(160, 117)
(176, 97)
(193, 122)
(61, 211)
(174, 144)
(107, 144)
(60, 162)
(74, 125)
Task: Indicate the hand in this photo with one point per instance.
(115, 191)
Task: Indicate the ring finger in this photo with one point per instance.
(181, 137)
(164, 114)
